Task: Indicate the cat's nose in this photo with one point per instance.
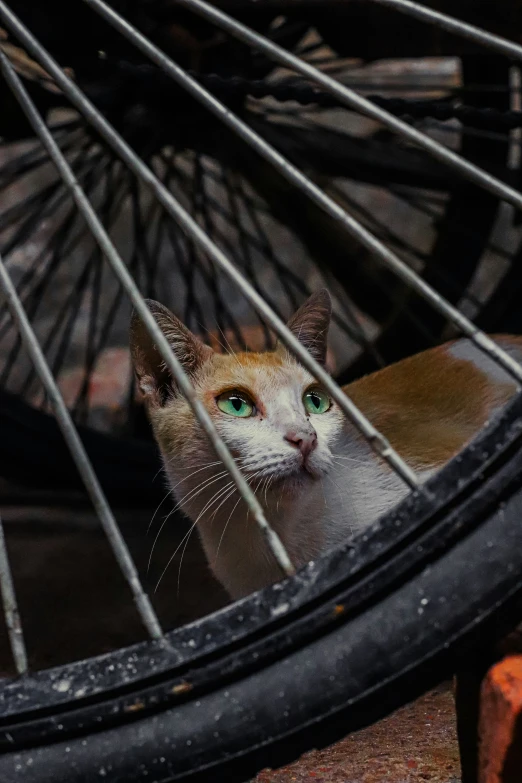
(304, 441)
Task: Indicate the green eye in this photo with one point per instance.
(316, 401)
(235, 403)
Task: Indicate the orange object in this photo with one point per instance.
(500, 723)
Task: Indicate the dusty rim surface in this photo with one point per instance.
(416, 743)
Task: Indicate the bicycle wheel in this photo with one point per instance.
(347, 639)
(81, 315)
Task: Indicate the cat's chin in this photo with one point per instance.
(296, 480)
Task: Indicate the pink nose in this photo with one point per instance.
(304, 441)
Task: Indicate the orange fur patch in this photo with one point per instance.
(429, 405)
(255, 340)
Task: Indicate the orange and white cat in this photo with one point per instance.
(316, 477)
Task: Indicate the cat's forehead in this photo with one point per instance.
(267, 370)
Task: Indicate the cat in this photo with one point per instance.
(316, 477)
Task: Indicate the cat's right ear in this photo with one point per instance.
(311, 322)
(155, 380)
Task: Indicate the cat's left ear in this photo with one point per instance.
(311, 322)
(154, 378)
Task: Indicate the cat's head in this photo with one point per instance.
(276, 420)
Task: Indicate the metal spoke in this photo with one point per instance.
(200, 207)
(346, 96)
(375, 439)
(173, 364)
(12, 615)
(455, 26)
(63, 416)
(294, 175)
(77, 449)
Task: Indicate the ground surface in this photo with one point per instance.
(417, 743)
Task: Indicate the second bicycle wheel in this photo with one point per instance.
(456, 236)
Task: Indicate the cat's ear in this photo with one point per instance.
(311, 322)
(154, 378)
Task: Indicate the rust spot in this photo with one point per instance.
(139, 705)
(182, 687)
(339, 609)
(500, 716)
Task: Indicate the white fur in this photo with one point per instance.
(314, 506)
(349, 489)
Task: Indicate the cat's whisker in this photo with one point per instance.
(181, 559)
(350, 459)
(157, 509)
(231, 352)
(174, 555)
(182, 556)
(230, 488)
(324, 495)
(185, 537)
(204, 464)
(197, 490)
(156, 538)
(226, 348)
(336, 485)
(250, 479)
(158, 472)
(213, 499)
(205, 467)
(226, 523)
(266, 488)
(193, 493)
(262, 484)
(173, 458)
(342, 497)
(220, 343)
(258, 484)
(170, 492)
(229, 495)
(269, 484)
